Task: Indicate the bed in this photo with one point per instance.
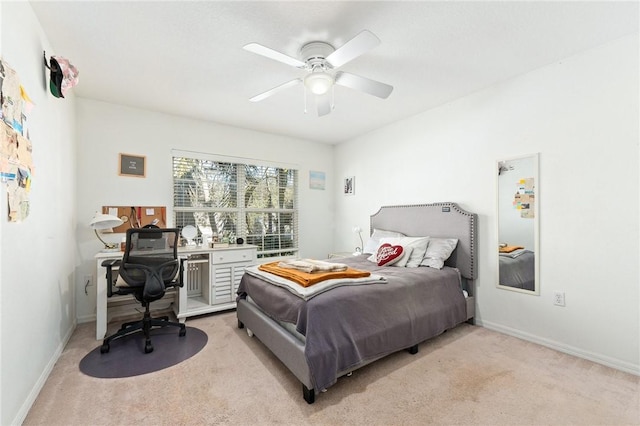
(517, 269)
(345, 328)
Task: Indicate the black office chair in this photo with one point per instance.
(150, 265)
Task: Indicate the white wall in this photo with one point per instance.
(38, 255)
(581, 115)
(105, 130)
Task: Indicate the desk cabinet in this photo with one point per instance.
(211, 278)
(224, 268)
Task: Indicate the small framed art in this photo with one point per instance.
(132, 165)
(316, 180)
(350, 185)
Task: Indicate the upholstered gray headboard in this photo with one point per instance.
(435, 220)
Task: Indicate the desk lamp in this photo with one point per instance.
(358, 230)
(103, 222)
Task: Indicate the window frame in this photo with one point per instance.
(240, 210)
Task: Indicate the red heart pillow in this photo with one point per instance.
(388, 254)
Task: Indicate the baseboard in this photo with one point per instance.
(86, 318)
(627, 367)
(37, 387)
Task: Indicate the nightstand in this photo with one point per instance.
(340, 254)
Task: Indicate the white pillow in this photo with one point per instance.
(417, 244)
(400, 261)
(438, 252)
(374, 241)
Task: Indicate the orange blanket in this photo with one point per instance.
(306, 279)
(509, 249)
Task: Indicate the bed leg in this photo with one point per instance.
(240, 324)
(413, 349)
(308, 394)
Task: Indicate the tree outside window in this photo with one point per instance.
(230, 200)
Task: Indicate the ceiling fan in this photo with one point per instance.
(320, 60)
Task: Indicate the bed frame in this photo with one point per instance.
(434, 220)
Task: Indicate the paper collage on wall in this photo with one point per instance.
(524, 199)
(16, 166)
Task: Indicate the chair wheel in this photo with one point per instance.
(148, 348)
(183, 332)
(104, 348)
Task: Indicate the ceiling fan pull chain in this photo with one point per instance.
(333, 97)
(305, 100)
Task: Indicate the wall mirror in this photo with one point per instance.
(518, 224)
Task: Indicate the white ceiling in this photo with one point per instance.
(186, 58)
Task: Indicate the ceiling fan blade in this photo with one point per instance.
(276, 89)
(364, 41)
(273, 54)
(363, 84)
(324, 104)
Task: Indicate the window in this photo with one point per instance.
(237, 199)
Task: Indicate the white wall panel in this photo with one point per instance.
(38, 255)
(582, 116)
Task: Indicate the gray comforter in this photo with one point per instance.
(519, 271)
(347, 327)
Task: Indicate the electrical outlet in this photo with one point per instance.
(558, 298)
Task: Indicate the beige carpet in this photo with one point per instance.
(466, 376)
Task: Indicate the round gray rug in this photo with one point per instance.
(126, 357)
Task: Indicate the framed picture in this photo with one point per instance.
(350, 185)
(316, 180)
(132, 165)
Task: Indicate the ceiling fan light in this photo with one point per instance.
(318, 83)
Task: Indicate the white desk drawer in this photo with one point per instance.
(231, 256)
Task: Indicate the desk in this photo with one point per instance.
(211, 278)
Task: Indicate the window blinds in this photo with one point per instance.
(230, 200)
